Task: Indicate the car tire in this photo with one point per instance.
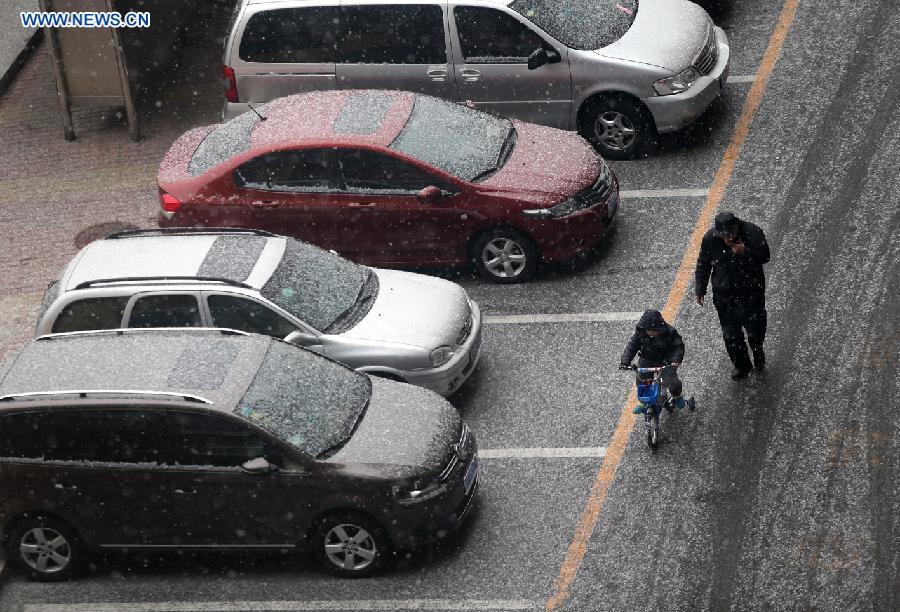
(351, 545)
(618, 127)
(45, 547)
(505, 255)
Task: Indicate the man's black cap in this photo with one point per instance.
(725, 223)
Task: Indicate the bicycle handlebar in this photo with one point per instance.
(633, 367)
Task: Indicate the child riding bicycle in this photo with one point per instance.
(659, 345)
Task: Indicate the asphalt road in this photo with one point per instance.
(782, 492)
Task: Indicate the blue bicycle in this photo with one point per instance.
(653, 397)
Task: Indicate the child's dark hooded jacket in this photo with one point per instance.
(666, 347)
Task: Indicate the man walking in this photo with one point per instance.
(734, 252)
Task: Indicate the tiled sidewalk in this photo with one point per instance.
(51, 189)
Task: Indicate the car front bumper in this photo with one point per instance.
(563, 238)
(420, 523)
(671, 113)
(446, 379)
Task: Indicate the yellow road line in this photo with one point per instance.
(616, 448)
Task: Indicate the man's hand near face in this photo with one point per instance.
(736, 245)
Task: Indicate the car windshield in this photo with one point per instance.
(461, 141)
(312, 403)
(580, 24)
(319, 287)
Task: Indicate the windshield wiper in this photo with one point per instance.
(331, 450)
(350, 316)
(505, 152)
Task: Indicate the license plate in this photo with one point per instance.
(471, 473)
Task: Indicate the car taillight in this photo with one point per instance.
(170, 203)
(230, 83)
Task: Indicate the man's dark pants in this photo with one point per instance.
(736, 315)
(669, 376)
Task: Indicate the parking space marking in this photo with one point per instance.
(741, 78)
(541, 453)
(616, 448)
(562, 317)
(663, 193)
(290, 606)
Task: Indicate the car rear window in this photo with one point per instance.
(314, 285)
(459, 140)
(227, 140)
(310, 402)
(580, 24)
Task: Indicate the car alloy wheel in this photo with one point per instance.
(350, 547)
(504, 257)
(615, 131)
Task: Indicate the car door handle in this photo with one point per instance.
(437, 74)
(186, 491)
(470, 74)
(65, 487)
(265, 204)
(360, 204)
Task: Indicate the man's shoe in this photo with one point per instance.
(759, 359)
(738, 374)
(678, 402)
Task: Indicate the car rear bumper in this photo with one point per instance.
(449, 377)
(671, 113)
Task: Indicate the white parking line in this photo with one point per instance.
(741, 78)
(663, 193)
(291, 606)
(541, 453)
(562, 317)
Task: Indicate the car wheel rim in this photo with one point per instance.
(614, 130)
(504, 258)
(350, 547)
(45, 550)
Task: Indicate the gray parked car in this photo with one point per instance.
(617, 71)
(399, 325)
(165, 440)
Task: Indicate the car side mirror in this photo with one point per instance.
(301, 338)
(541, 56)
(259, 465)
(430, 195)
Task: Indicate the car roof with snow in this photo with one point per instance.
(248, 257)
(349, 117)
(451, 137)
(205, 366)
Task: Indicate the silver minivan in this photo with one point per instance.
(618, 71)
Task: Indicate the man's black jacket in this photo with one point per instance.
(668, 346)
(733, 276)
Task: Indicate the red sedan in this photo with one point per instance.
(395, 179)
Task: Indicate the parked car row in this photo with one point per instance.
(184, 392)
(204, 386)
